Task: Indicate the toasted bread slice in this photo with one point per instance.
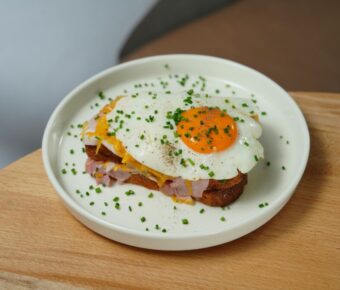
(218, 192)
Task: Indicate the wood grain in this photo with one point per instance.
(298, 249)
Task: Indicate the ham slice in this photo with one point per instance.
(198, 187)
(104, 172)
(92, 125)
(179, 188)
(90, 141)
(166, 189)
(119, 175)
(106, 180)
(90, 166)
(178, 184)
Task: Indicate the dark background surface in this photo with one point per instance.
(296, 43)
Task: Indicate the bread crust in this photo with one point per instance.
(218, 192)
(103, 154)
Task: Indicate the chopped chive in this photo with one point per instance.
(98, 190)
(143, 219)
(185, 221)
(129, 192)
(202, 210)
(183, 163)
(101, 95)
(203, 167)
(187, 101)
(150, 119)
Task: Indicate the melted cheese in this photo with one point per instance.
(101, 133)
(188, 185)
(186, 200)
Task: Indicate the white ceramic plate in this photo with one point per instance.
(285, 140)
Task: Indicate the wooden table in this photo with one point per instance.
(42, 245)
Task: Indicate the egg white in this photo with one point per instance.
(141, 137)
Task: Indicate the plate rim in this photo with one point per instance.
(269, 211)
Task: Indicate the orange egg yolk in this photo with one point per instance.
(207, 130)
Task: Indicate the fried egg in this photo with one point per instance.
(187, 135)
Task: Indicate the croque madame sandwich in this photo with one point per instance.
(186, 145)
